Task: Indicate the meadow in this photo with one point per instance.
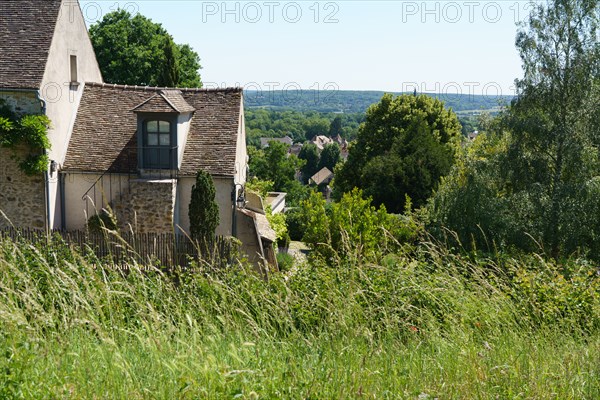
(421, 323)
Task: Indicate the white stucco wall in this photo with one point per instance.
(76, 185)
(183, 128)
(61, 98)
(223, 187)
(241, 157)
(111, 187)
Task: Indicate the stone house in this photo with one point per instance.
(138, 150)
(321, 180)
(321, 141)
(135, 149)
(264, 142)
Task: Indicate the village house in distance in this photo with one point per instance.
(133, 149)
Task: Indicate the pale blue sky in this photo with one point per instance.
(442, 46)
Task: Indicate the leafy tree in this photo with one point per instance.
(133, 50)
(258, 163)
(293, 219)
(310, 154)
(203, 211)
(189, 65)
(330, 156)
(260, 187)
(537, 169)
(467, 200)
(296, 193)
(170, 68)
(274, 164)
(298, 125)
(282, 166)
(335, 128)
(405, 146)
(314, 127)
(554, 122)
(279, 225)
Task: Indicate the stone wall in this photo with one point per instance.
(21, 102)
(22, 197)
(149, 206)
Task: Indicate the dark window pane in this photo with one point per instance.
(164, 126)
(152, 126)
(152, 139)
(157, 153)
(165, 139)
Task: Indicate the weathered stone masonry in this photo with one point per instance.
(22, 197)
(150, 206)
(21, 102)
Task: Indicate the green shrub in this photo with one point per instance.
(29, 132)
(278, 224)
(354, 228)
(566, 294)
(293, 219)
(285, 261)
(105, 219)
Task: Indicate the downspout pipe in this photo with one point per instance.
(176, 223)
(63, 207)
(234, 212)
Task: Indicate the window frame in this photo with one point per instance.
(74, 68)
(145, 149)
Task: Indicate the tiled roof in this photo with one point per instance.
(166, 101)
(321, 141)
(155, 104)
(212, 142)
(26, 31)
(175, 98)
(104, 135)
(322, 176)
(264, 142)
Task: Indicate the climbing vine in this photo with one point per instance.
(30, 132)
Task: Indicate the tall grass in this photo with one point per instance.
(420, 324)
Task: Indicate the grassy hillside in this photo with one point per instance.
(418, 324)
(352, 101)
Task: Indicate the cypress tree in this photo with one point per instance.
(203, 211)
(169, 75)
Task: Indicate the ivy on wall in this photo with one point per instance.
(28, 131)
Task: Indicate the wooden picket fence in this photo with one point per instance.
(166, 250)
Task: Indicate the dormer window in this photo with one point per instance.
(160, 139)
(158, 146)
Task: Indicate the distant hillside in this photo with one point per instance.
(354, 101)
